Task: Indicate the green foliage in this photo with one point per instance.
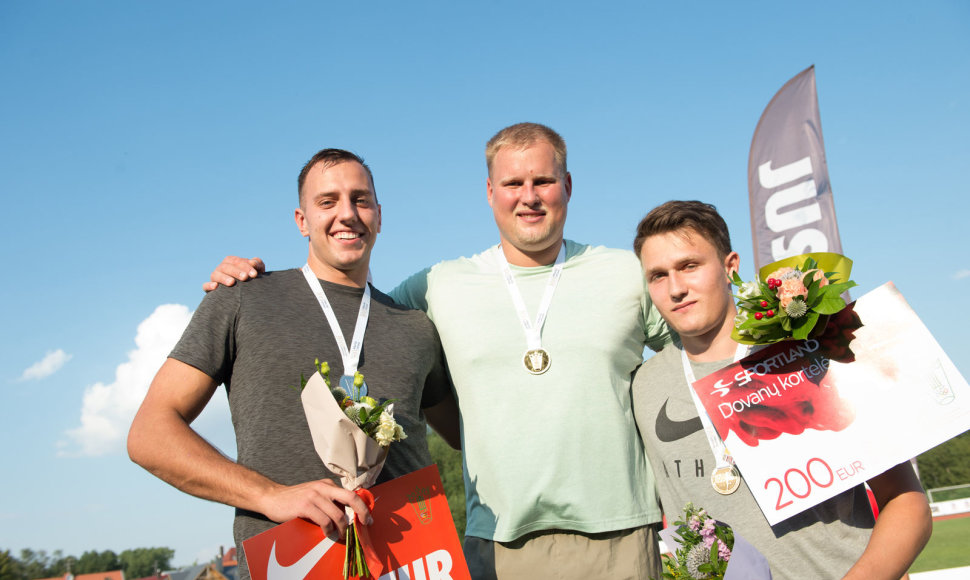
(33, 564)
(8, 566)
(142, 562)
(93, 561)
(449, 465)
(136, 563)
(947, 464)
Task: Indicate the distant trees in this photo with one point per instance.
(136, 563)
(7, 566)
(142, 562)
(947, 464)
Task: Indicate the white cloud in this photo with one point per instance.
(45, 367)
(961, 274)
(107, 410)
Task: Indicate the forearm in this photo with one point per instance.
(900, 533)
(163, 443)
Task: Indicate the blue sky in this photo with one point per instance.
(142, 142)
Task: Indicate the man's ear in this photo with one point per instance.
(300, 220)
(488, 190)
(732, 262)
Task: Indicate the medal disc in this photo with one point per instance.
(536, 361)
(726, 480)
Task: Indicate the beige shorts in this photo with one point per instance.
(563, 554)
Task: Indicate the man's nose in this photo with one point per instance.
(528, 194)
(346, 210)
(676, 286)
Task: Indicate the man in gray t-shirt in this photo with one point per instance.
(685, 250)
(258, 338)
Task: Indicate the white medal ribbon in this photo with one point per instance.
(718, 448)
(533, 330)
(351, 355)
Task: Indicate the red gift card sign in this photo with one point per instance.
(807, 420)
(413, 537)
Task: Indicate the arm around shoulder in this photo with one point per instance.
(902, 529)
(413, 291)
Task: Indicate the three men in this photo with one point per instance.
(685, 250)
(258, 338)
(541, 336)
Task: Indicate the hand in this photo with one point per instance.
(321, 502)
(234, 268)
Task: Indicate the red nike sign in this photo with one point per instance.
(413, 536)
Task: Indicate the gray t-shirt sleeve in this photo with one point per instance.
(208, 342)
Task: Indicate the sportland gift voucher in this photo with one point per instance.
(807, 420)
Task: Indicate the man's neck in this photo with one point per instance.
(528, 259)
(355, 278)
(714, 346)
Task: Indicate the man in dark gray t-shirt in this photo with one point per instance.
(258, 338)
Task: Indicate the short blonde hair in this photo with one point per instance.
(521, 136)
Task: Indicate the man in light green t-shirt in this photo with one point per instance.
(541, 336)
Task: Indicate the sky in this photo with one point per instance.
(141, 142)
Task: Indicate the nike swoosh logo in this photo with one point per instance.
(669, 431)
(299, 569)
(721, 388)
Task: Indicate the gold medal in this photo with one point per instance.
(536, 361)
(726, 480)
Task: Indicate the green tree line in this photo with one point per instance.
(947, 464)
(136, 563)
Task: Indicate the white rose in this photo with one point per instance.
(749, 290)
(385, 433)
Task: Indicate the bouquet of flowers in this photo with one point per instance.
(351, 433)
(705, 547)
(790, 297)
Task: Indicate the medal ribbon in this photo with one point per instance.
(350, 356)
(718, 448)
(533, 330)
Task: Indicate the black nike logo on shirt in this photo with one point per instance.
(669, 431)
